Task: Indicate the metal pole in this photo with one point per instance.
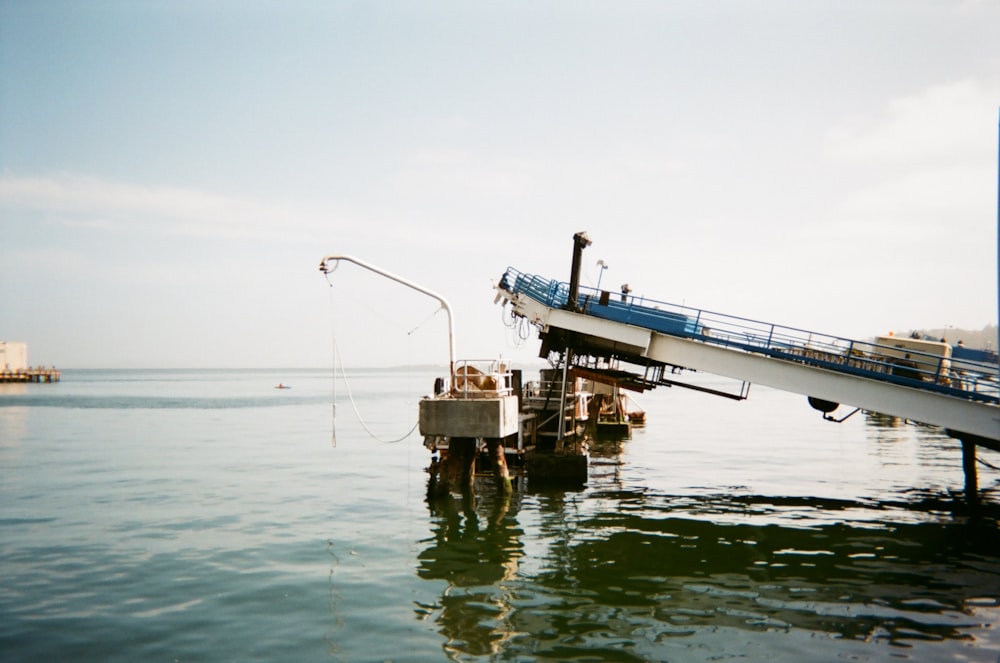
(580, 242)
(409, 284)
(603, 266)
(562, 399)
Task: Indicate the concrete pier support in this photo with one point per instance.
(464, 421)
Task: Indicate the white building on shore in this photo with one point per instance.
(13, 356)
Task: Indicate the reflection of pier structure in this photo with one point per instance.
(600, 332)
(642, 575)
(476, 550)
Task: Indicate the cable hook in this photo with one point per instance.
(327, 270)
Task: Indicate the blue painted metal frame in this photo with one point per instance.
(962, 378)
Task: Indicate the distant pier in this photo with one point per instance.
(30, 375)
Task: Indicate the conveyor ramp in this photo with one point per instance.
(918, 379)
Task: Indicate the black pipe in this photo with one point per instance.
(580, 242)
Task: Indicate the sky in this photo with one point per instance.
(172, 172)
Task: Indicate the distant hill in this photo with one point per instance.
(985, 338)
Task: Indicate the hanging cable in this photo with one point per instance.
(333, 363)
(518, 326)
(425, 320)
(326, 268)
(350, 396)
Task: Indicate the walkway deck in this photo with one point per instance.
(30, 375)
(937, 389)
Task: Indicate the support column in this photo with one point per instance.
(580, 242)
(500, 471)
(562, 401)
(456, 470)
(462, 453)
(971, 476)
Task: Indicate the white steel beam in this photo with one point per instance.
(924, 406)
(927, 407)
(635, 338)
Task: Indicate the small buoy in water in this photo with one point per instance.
(826, 407)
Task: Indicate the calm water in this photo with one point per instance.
(206, 516)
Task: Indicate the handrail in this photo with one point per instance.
(958, 377)
(323, 267)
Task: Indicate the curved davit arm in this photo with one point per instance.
(326, 267)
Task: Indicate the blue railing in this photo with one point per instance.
(889, 362)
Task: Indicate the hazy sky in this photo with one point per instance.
(171, 173)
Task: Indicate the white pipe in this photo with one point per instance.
(410, 284)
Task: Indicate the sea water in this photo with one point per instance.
(207, 516)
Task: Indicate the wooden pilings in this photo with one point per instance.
(456, 471)
(500, 471)
(462, 458)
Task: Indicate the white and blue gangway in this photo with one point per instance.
(958, 394)
(598, 332)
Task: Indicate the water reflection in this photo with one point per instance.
(475, 549)
(13, 420)
(633, 576)
(690, 549)
(899, 582)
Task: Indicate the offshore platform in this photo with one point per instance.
(483, 410)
